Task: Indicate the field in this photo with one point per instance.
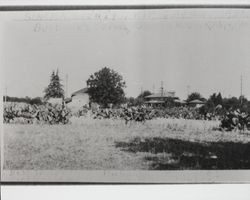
(160, 144)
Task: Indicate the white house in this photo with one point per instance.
(54, 101)
(159, 99)
(79, 99)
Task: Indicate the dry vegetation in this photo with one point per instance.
(111, 144)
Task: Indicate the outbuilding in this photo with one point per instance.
(78, 99)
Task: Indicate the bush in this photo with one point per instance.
(48, 114)
(235, 121)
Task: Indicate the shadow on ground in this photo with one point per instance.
(174, 154)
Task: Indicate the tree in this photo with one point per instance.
(36, 100)
(144, 94)
(231, 103)
(54, 89)
(244, 104)
(194, 96)
(131, 101)
(212, 103)
(105, 87)
(170, 102)
(214, 100)
(234, 103)
(219, 99)
(141, 98)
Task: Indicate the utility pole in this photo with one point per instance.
(241, 82)
(188, 90)
(161, 88)
(241, 86)
(5, 98)
(66, 86)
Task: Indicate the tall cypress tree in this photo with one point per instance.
(54, 89)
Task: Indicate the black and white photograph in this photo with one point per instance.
(125, 95)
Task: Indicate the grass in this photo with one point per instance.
(167, 154)
(88, 144)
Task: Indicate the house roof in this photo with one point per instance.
(155, 101)
(159, 95)
(179, 101)
(196, 101)
(81, 91)
(67, 100)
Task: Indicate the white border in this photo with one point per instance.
(125, 192)
(194, 176)
(135, 176)
(121, 2)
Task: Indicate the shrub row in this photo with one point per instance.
(47, 114)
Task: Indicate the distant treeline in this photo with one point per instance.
(36, 100)
(210, 104)
(231, 103)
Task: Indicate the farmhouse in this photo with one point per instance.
(78, 99)
(159, 99)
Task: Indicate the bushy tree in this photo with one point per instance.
(234, 103)
(141, 98)
(131, 101)
(219, 99)
(144, 94)
(105, 87)
(170, 102)
(194, 96)
(54, 89)
(213, 101)
(36, 100)
(231, 103)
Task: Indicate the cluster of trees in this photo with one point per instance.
(138, 100)
(210, 104)
(216, 100)
(195, 96)
(106, 87)
(32, 101)
(54, 90)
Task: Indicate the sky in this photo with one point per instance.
(189, 50)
